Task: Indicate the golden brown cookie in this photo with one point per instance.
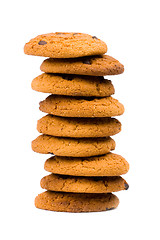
(62, 183)
(107, 165)
(76, 202)
(81, 107)
(65, 45)
(78, 127)
(73, 147)
(94, 66)
(73, 85)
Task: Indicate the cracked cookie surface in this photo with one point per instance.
(81, 107)
(76, 202)
(65, 45)
(78, 127)
(73, 147)
(72, 184)
(73, 85)
(107, 165)
(94, 66)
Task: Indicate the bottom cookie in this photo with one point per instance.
(76, 202)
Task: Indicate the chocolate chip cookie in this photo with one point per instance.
(73, 85)
(107, 165)
(78, 127)
(73, 147)
(65, 45)
(76, 202)
(81, 107)
(62, 183)
(94, 66)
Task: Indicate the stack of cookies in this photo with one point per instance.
(79, 123)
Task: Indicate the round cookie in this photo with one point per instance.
(63, 183)
(94, 66)
(73, 147)
(78, 127)
(76, 202)
(108, 165)
(65, 45)
(81, 107)
(73, 85)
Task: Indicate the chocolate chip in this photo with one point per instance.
(87, 61)
(68, 77)
(42, 42)
(126, 186)
(94, 37)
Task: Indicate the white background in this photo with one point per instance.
(131, 31)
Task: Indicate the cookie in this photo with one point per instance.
(78, 127)
(73, 147)
(94, 66)
(72, 184)
(81, 107)
(76, 202)
(65, 45)
(107, 165)
(73, 85)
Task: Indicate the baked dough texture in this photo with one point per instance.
(98, 166)
(94, 66)
(81, 107)
(65, 45)
(73, 85)
(62, 183)
(78, 127)
(73, 147)
(76, 202)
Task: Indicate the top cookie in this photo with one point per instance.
(65, 45)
